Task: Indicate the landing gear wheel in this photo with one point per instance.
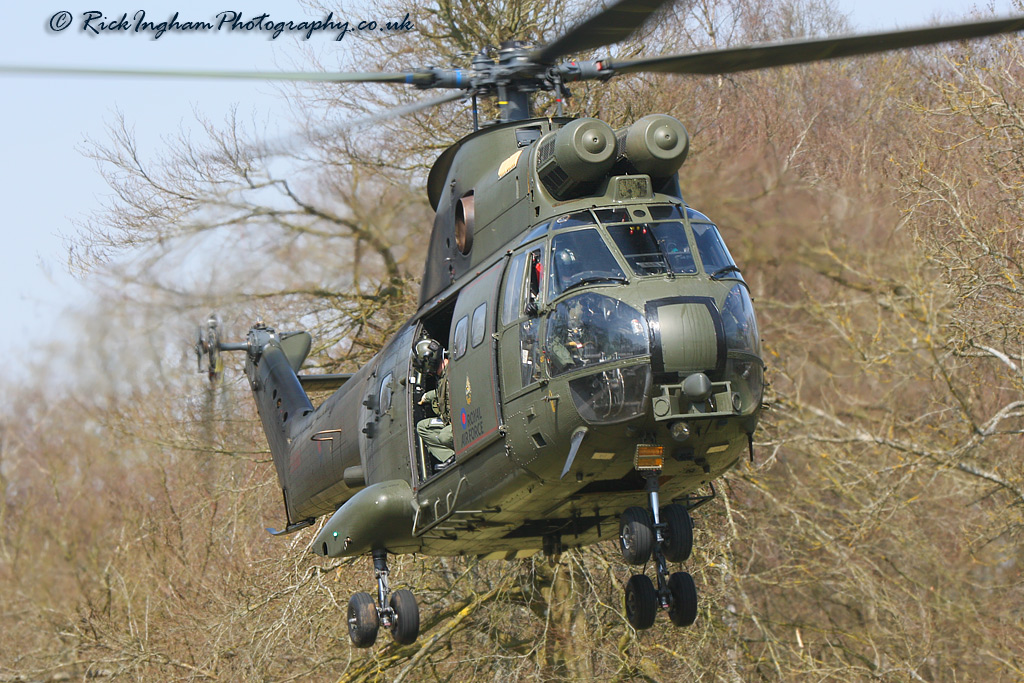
(363, 620)
(641, 602)
(636, 536)
(405, 626)
(682, 608)
(677, 543)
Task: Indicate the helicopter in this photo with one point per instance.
(588, 340)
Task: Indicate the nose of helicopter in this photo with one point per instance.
(686, 335)
(704, 357)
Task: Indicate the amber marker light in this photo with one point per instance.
(649, 457)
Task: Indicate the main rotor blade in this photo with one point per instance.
(800, 51)
(404, 110)
(290, 144)
(410, 77)
(604, 28)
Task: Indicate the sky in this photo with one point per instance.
(49, 186)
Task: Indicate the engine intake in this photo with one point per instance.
(656, 145)
(572, 160)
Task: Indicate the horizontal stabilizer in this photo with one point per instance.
(324, 382)
(291, 528)
(296, 347)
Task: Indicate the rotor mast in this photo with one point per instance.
(513, 94)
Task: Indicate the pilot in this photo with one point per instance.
(565, 268)
(436, 432)
(566, 337)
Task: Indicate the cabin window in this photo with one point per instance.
(461, 335)
(579, 257)
(479, 324)
(513, 286)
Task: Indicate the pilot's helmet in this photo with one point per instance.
(565, 258)
(427, 355)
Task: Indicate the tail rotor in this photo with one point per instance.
(208, 345)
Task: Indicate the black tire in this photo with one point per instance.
(641, 602)
(405, 627)
(636, 536)
(678, 534)
(363, 620)
(682, 608)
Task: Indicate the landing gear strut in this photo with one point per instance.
(397, 611)
(666, 533)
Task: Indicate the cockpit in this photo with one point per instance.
(659, 243)
(565, 295)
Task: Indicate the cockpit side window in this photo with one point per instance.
(535, 275)
(523, 286)
(513, 286)
(529, 329)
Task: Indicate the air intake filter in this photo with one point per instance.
(572, 160)
(656, 145)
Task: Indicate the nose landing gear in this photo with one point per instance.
(666, 533)
(400, 613)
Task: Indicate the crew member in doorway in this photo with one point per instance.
(436, 432)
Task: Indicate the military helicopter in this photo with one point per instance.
(588, 338)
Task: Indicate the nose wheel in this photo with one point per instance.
(666, 534)
(396, 611)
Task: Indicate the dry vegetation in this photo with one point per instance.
(876, 208)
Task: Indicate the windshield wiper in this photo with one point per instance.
(596, 278)
(722, 271)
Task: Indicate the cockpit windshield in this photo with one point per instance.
(654, 248)
(713, 252)
(579, 257)
(590, 329)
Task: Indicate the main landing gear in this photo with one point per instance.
(666, 533)
(400, 613)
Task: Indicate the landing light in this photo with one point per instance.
(680, 431)
(649, 457)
